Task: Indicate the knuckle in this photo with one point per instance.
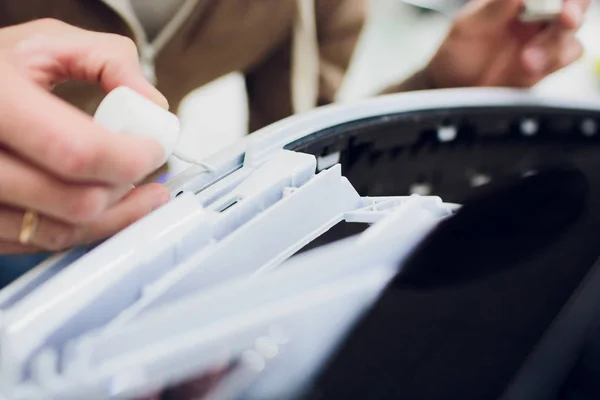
(61, 237)
(124, 43)
(50, 24)
(74, 161)
(87, 204)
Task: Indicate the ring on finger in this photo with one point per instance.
(28, 227)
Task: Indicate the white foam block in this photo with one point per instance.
(541, 10)
(124, 111)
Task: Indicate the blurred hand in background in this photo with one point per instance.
(489, 46)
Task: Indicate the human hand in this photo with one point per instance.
(54, 159)
(50, 52)
(488, 46)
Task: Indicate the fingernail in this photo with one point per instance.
(535, 58)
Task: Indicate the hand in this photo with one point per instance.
(488, 46)
(56, 160)
(49, 52)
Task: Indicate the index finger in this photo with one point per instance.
(55, 52)
(57, 137)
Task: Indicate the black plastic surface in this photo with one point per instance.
(388, 155)
(471, 304)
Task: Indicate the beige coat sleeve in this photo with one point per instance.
(339, 24)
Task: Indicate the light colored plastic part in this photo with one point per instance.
(96, 287)
(118, 272)
(262, 243)
(541, 10)
(384, 247)
(285, 188)
(308, 211)
(36, 277)
(312, 299)
(258, 147)
(372, 209)
(125, 111)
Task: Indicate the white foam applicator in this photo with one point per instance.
(124, 111)
(541, 10)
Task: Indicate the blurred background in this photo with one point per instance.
(398, 39)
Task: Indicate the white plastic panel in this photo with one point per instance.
(93, 289)
(330, 284)
(260, 244)
(34, 278)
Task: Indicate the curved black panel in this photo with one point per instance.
(500, 226)
(394, 154)
(386, 155)
(474, 301)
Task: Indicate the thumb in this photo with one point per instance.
(490, 13)
(58, 52)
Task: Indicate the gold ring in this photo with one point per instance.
(29, 226)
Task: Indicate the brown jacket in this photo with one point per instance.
(210, 38)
